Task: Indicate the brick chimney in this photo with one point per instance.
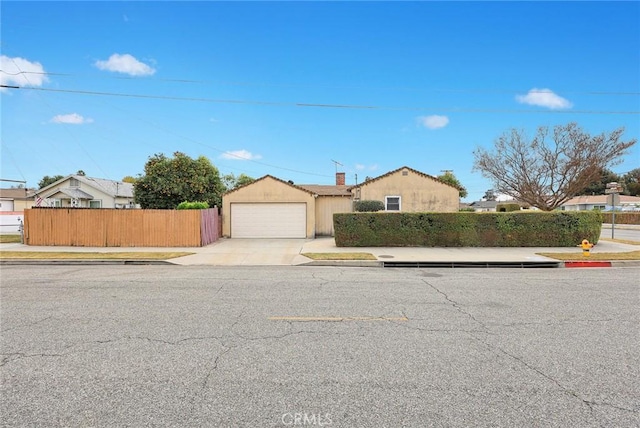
(339, 178)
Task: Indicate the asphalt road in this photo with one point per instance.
(313, 346)
(620, 232)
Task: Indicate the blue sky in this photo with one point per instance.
(284, 88)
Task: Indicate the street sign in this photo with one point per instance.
(613, 200)
(613, 190)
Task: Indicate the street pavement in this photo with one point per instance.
(287, 252)
(243, 346)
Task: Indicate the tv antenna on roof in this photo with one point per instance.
(337, 163)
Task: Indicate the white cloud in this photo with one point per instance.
(433, 122)
(126, 64)
(240, 155)
(544, 98)
(72, 118)
(360, 167)
(18, 71)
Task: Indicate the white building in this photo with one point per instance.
(79, 191)
(599, 202)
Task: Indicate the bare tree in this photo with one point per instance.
(547, 173)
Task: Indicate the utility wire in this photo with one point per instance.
(412, 89)
(334, 106)
(65, 128)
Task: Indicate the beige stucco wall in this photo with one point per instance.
(418, 193)
(325, 207)
(271, 190)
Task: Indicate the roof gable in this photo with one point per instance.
(395, 171)
(266, 177)
(112, 188)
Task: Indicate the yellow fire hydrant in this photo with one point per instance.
(586, 247)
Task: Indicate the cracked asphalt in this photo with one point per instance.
(318, 346)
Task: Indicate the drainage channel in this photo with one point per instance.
(538, 264)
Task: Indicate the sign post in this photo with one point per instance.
(613, 189)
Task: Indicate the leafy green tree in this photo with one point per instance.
(129, 179)
(631, 181)
(46, 180)
(489, 195)
(453, 181)
(232, 182)
(169, 181)
(598, 186)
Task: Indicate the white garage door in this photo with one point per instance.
(278, 220)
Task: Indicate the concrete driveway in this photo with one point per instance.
(248, 252)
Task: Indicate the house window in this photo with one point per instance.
(73, 182)
(96, 203)
(56, 203)
(392, 203)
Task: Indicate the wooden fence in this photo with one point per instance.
(120, 228)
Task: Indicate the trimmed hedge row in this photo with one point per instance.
(622, 218)
(193, 205)
(463, 229)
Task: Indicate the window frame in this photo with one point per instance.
(386, 203)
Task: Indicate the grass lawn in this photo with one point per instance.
(60, 255)
(9, 239)
(631, 255)
(340, 256)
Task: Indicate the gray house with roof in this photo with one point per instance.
(79, 191)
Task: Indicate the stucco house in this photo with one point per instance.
(79, 191)
(273, 208)
(15, 199)
(599, 202)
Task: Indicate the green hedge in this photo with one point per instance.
(505, 208)
(368, 206)
(622, 218)
(193, 205)
(463, 229)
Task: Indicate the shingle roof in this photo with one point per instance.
(601, 199)
(484, 204)
(14, 193)
(327, 190)
(111, 187)
(76, 193)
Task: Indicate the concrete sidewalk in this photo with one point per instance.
(288, 252)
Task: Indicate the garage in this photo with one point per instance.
(268, 220)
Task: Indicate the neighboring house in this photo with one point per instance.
(274, 208)
(599, 202)
(13, 202)
(492, 206)
(484, 206)
(79, 191)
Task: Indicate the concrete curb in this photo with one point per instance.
(71, 262)
(344, 263)
(600, 263)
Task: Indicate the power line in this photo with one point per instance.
(65, 128)
(227, 152)
(285, 85)
(333, 106)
